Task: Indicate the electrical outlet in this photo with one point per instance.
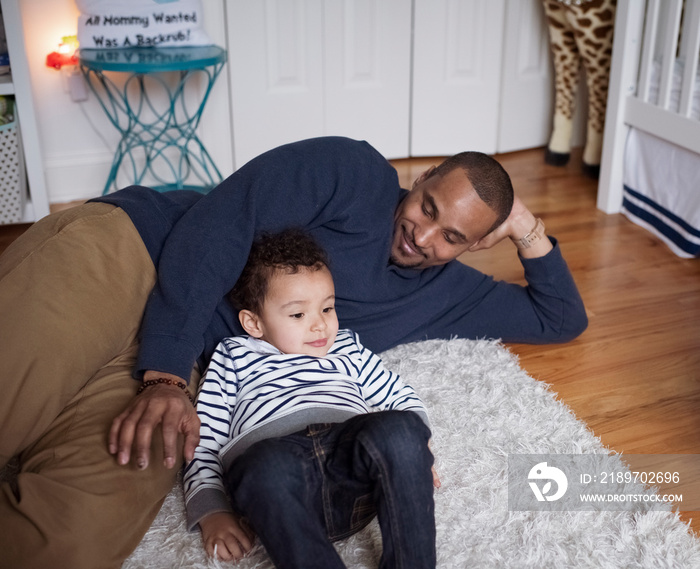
(77, 87)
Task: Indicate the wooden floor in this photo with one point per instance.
(634, 375)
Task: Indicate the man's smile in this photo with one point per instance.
(408, 245)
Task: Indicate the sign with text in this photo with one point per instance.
(105, 24)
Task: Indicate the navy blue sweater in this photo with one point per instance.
(345, 194)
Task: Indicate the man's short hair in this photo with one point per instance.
(490, 180)
(289, 251)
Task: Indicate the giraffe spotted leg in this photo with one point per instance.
(567, 63)
(594, 22)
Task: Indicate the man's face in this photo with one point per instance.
(438, 220)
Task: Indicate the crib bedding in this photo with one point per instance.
(662, 180)
(662, 191)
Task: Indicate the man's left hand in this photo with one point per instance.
(518, 224)
(161, 404)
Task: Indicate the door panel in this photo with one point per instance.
(527, 90)
(367, 80)
(276, 62)
(456, 76)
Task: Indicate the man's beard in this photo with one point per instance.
(394, 261)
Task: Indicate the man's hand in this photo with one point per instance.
(225, 537)
(518, 224)
(164, 405)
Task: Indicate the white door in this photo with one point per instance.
(527, 91)
(482, 76)
(456, 76)
(276, 73)
(368, 71)
(305, 68)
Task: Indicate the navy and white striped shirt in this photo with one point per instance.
(251, 391)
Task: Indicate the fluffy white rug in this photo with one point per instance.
(483, 407)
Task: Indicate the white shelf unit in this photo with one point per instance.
(18, 83)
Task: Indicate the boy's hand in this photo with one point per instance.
(436, 478)
(225, 537)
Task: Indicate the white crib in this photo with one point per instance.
(650, 168)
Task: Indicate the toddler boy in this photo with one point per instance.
(288, 442)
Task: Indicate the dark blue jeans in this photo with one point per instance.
(304, 491)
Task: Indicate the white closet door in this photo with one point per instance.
(527, 90)
(305, 68)
(368, 70)
(276, 73)
(456, 76)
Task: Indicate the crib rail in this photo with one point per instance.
(649, 35)
(669, 39)
(690, 51)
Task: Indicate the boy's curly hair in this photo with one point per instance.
(289, 251)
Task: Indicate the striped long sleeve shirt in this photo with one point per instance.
(251, 391)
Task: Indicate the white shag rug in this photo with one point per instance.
(483, 407)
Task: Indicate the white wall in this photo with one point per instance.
(77, 139)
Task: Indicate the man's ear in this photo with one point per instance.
(424, 176)
(251, 323)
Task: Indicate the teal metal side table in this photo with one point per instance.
(156, 113)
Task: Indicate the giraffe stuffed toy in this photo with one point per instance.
(580, 33)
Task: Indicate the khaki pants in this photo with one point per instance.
(72, 293)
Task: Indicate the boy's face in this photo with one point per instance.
(298, 314)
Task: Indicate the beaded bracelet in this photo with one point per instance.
(167, 381)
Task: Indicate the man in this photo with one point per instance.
(74, 288)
